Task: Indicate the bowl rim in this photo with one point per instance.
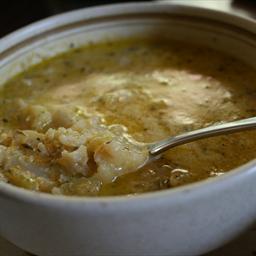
(198, 188)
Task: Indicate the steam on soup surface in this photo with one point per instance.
(75, 124)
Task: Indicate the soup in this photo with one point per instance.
(76, 124)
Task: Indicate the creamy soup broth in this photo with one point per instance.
(145, 89)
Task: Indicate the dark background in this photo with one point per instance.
(18, 13)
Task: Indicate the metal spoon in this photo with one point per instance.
(210, 131)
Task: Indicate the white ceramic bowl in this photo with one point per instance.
(189, 220)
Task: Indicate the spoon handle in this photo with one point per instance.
(215, 130)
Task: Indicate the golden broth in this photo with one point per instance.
(154, 88)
